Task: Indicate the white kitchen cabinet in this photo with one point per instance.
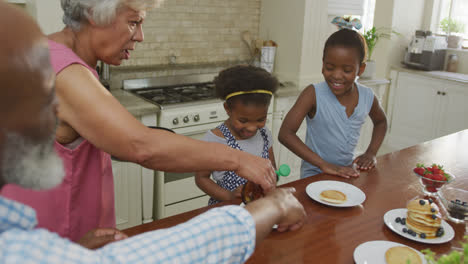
(425, 108)
(378, 86)
(127, 191)
(133, 189)
(282, 154)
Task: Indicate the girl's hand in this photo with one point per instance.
(341, 171)
(365, 161)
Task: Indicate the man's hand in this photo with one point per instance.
(100, 237)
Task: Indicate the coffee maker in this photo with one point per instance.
(425, 51)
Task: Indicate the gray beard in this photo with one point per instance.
(31, 165)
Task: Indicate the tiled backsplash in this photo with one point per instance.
(194, 32)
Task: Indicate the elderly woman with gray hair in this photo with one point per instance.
(92, 124)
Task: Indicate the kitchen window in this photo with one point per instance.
(455, 11)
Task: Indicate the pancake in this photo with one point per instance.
(425, 208)
(425, 219)
(333, 196)
(401, 255)
(430, 231)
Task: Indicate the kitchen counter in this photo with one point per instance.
(443, 75)
(135, 105)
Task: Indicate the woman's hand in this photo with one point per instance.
(257, 170)
(341, 171)
(100, 237)
(365, 162)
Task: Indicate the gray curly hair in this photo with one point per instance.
(76, 12)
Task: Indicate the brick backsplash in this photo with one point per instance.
(196, 32)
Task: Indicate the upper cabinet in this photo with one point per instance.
(346, 7)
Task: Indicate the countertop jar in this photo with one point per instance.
(452, 63)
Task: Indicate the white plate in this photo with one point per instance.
(389, 219)
(243, 205)
(353, 194)
(374, 252)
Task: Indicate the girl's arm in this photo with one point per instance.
(306, 105)
(204, 182)
(367, 160)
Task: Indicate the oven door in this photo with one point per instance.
(195, 132)
(177, 192)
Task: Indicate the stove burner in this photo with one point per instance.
(179, 94)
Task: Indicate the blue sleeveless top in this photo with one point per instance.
(330, 133)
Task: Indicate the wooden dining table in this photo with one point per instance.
(331, 234)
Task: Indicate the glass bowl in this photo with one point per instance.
(455, 202)
(430, 187)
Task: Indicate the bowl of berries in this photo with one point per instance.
(432, 178)
(455, 201)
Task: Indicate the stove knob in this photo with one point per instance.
(196, 118)
(175, 121)
(186, 119)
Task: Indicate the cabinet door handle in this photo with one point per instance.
(443, 93)
(438, 92)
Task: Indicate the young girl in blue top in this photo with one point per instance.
(247, 92)
(334, 111)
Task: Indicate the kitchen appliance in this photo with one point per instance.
(189, 107)
(425, 51)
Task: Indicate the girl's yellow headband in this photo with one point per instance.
(248, 92)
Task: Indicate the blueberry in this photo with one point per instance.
(430, 200)
(423, 235)
(464, 203)
(457, 201)
(405, 230)
(434, 216)
(414, 234)
(440, 232)
(433, 210)
(403, 221)
(398, 220)
(422, 202)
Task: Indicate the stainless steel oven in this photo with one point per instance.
(189, 107)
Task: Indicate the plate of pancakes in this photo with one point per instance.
(386, 252)
(335, 193)
(420, 221)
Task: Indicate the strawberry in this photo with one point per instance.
(438, 177)
(431, 189)
(419, 170)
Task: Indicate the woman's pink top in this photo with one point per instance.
(85, 199)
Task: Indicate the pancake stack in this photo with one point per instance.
(424, 219)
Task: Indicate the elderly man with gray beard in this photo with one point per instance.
(28, 109)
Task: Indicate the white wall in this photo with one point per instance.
(404, 17)
(300, 28)
(48, 14)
